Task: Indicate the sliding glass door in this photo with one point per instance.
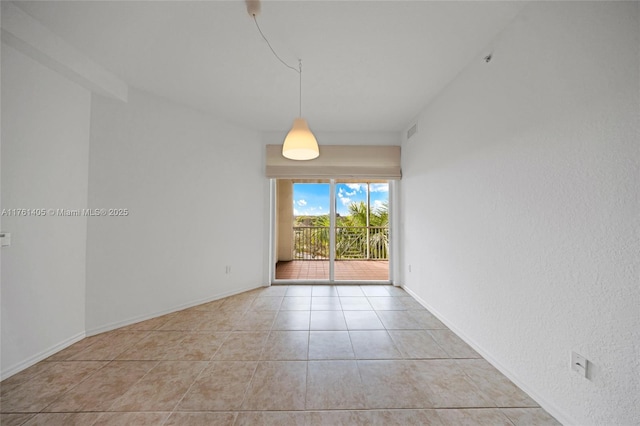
(331, 230)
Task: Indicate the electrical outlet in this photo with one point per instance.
(579, 364)
(5, 239)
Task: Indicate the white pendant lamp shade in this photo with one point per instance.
(300, 144)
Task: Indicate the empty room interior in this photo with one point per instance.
(320, 213)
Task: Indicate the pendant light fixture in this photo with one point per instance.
(300, 143)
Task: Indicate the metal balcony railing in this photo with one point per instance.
(352, 242)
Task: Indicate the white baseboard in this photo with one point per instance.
(554, 410)
(124, 323)
(14, 369)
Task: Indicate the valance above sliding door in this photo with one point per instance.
(338, 162)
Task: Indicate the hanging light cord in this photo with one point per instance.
(299, 70)
(273, 51)
(300, 75)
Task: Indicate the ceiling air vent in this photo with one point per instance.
(412, 131)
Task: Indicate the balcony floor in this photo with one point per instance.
(363, 270)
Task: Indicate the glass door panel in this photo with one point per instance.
(362, 230)
(303, 230)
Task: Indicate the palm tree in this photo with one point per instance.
(351, 238)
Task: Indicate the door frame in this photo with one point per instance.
(393, 240)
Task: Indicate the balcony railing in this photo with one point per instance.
(352, 242)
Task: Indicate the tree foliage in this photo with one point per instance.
(354, 240)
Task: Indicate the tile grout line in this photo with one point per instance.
(41, 411)
(199, 375)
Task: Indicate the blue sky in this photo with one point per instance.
(312, 199)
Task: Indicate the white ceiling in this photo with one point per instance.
(367, 65)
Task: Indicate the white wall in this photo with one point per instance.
(195, 191)
(520, 204)
(45, 148)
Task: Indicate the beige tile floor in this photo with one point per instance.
(283, 355)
